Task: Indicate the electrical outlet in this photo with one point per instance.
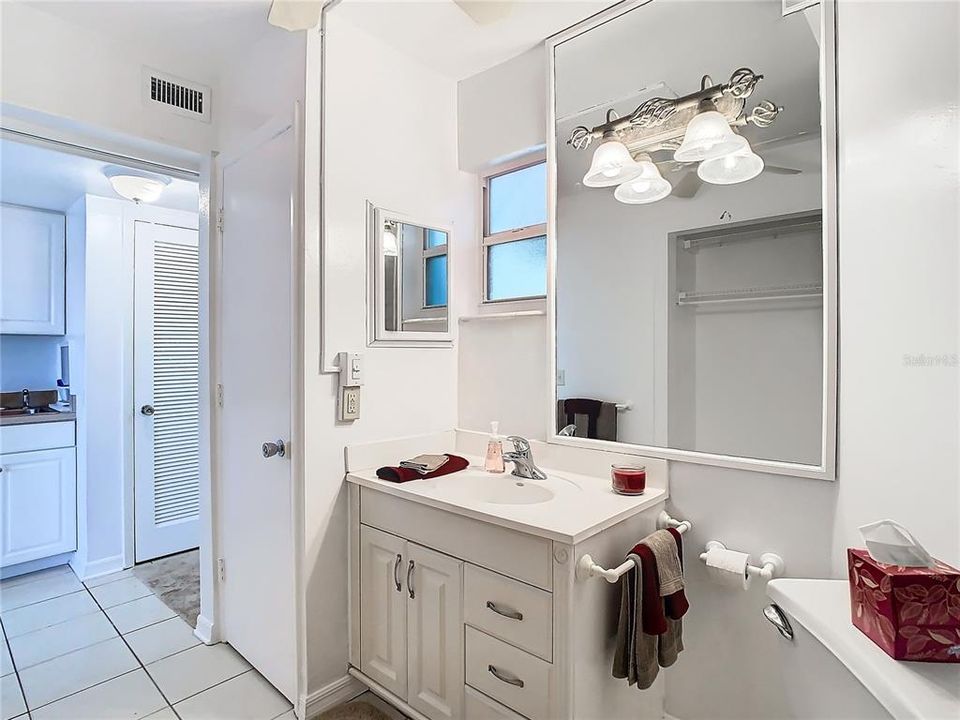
(561, 378)
(349, 403)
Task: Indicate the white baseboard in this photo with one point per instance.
(97, 568)
(204, 630)
(333, 694)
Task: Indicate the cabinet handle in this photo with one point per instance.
(396, 571)
(508, 679)
(410, 580)
(512, 614)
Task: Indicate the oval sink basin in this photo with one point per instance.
(508, 490)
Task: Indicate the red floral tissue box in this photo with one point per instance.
(912, 613)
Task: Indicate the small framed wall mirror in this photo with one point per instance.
(693, 282)
(408, 281)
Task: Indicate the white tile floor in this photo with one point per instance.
(110, 650)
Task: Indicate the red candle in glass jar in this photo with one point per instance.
(629, 479)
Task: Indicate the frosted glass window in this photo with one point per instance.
(435, 282)
(517, 269)
(517, 199)
(435, 238)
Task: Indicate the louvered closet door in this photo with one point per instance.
(166, 390)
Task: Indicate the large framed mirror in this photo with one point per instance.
(408, 280)
(693, 242)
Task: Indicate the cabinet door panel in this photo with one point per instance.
(38, 505)
(32, 265)
(383, 609)
(435, 634)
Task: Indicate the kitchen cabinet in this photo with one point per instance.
(32, 270)
(38, 502)
(412, 640)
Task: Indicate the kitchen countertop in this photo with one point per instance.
(45, 417)
(582, 505)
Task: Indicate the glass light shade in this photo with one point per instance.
(649, 186)
(708, 136)
(612, 164)
(390, 245)
(730, 169)
(137, 188)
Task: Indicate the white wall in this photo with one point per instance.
(391, 137)
(58, 69)
(898, 434)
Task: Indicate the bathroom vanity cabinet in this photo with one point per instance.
(456, 613)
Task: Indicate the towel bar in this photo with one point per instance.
(587, 568)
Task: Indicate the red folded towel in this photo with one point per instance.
(654, 620)
(402, 475)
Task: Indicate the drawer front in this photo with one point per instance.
(510, 610)
(515, 678)
(519, 555)
(37, 436)
(478, 706)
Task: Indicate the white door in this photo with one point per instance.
(32, 269)
(38, 499)
(260, 532)
(383, 609)
(434, 634)
(166, 390)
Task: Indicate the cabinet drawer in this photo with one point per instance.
(38, 436)
(510, 610)
(516, 678)
(478, 706)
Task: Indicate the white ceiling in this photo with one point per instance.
(208, 33)
(442, 36)
(41, 177)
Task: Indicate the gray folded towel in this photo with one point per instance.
(664, 549)
(636, 655)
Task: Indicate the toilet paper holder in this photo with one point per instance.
(771, 564)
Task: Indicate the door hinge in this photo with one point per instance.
(220, 220)
(221, 570)
(219, 395)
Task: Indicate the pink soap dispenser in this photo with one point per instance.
(494, 460)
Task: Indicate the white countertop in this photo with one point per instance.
(925, 691)
(582, 505)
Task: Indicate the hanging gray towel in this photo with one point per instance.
(593, 418)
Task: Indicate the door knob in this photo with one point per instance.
(274, 448)
(147, 410)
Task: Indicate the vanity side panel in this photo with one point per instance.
(353, 545)
(517, 555)
(594, 607)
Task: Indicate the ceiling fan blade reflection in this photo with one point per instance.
(777, 170)
(688, 186)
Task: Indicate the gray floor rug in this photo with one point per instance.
(176, 581)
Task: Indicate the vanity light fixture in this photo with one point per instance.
(612, 164)
(695, 128)
(737, 167)
(649, 186)
(134, 185)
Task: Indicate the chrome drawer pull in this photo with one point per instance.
(410, 580)
(396, 572)
(512, 614)
(505, 678)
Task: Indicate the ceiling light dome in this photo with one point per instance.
(708, 136)
(730, 169)
(134, 185)
(649, 186)
(612, 164)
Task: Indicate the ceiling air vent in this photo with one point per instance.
(176, 94)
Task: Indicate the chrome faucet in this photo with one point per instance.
(522, 459)
(568, 431)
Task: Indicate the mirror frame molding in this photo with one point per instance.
(377, 334)
(826, 470)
